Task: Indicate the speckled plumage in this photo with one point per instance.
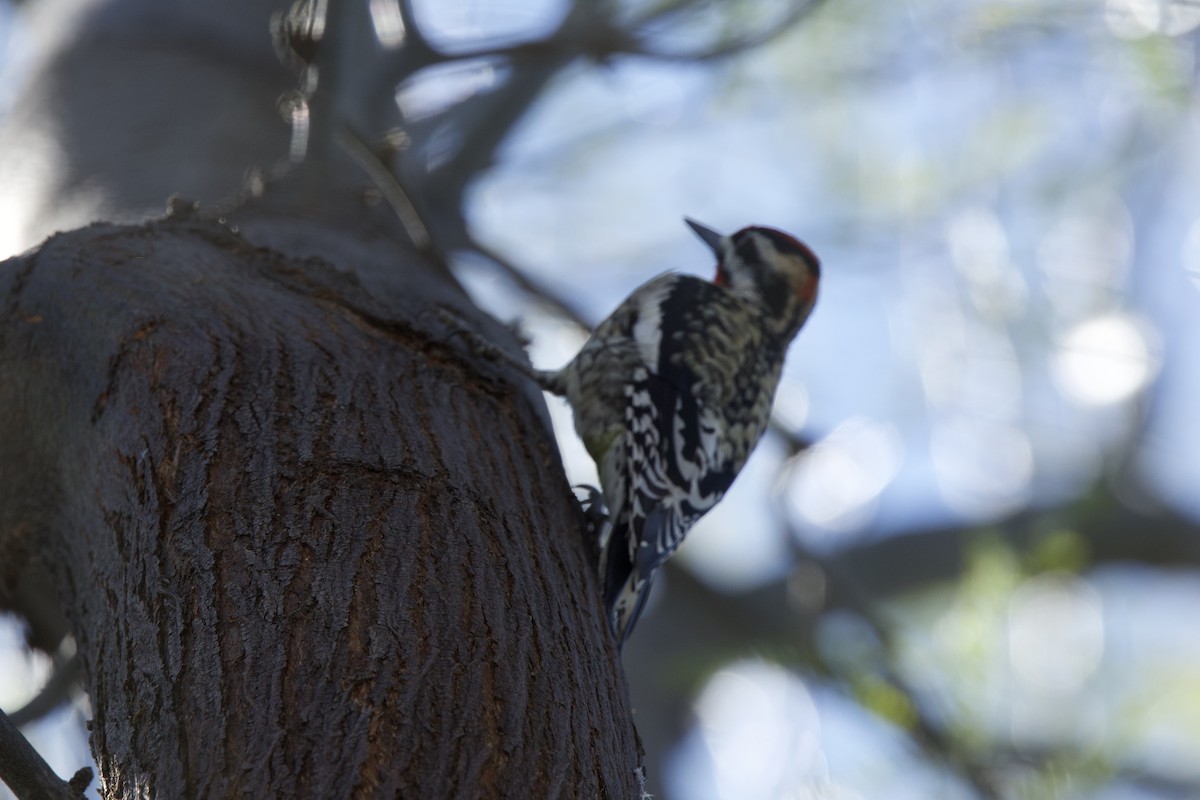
(673, 391)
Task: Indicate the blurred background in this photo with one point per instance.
(965, 562)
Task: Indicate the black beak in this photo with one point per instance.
(707, 235)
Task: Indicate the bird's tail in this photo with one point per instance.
(627, 607)
(625, 589)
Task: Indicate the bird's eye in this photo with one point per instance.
(747, 250)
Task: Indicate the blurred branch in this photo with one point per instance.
(587, 32)
(300, 36)
(415, 41)
(906, 562)
(418, 53)
(65, 677)
(751, 621)
(704, 628)
(25, 772)
(1160, 786)
(484, 124)
(723, 49)
(537, 290)
(323, 100)
(924, 729)
(867, 572)
(665, 9)
(413, 54)
(1004, 757)
(389, 186)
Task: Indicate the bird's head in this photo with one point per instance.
(768, 267)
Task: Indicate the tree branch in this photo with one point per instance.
(734, 46)
(28, 775)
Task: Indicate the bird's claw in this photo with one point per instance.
(591, 501)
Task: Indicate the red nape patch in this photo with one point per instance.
(807, 291)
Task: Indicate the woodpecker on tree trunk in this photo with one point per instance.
(673, 391)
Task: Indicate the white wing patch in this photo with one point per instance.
(647, 331)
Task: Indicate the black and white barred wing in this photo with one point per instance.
(676, 473)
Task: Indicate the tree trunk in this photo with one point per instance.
(308, 545)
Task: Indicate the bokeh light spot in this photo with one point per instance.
(983, 468)
(835, 484)
(1104, 360)
(762, 731)
(388, 23)
(1136, 19)
(1056, 632)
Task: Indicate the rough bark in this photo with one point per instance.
(308, 548)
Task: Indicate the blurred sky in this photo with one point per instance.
(1005, 199)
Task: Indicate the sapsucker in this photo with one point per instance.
(673, 391)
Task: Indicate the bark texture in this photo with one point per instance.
(308, 547)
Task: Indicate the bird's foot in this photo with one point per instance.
(591, 501)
